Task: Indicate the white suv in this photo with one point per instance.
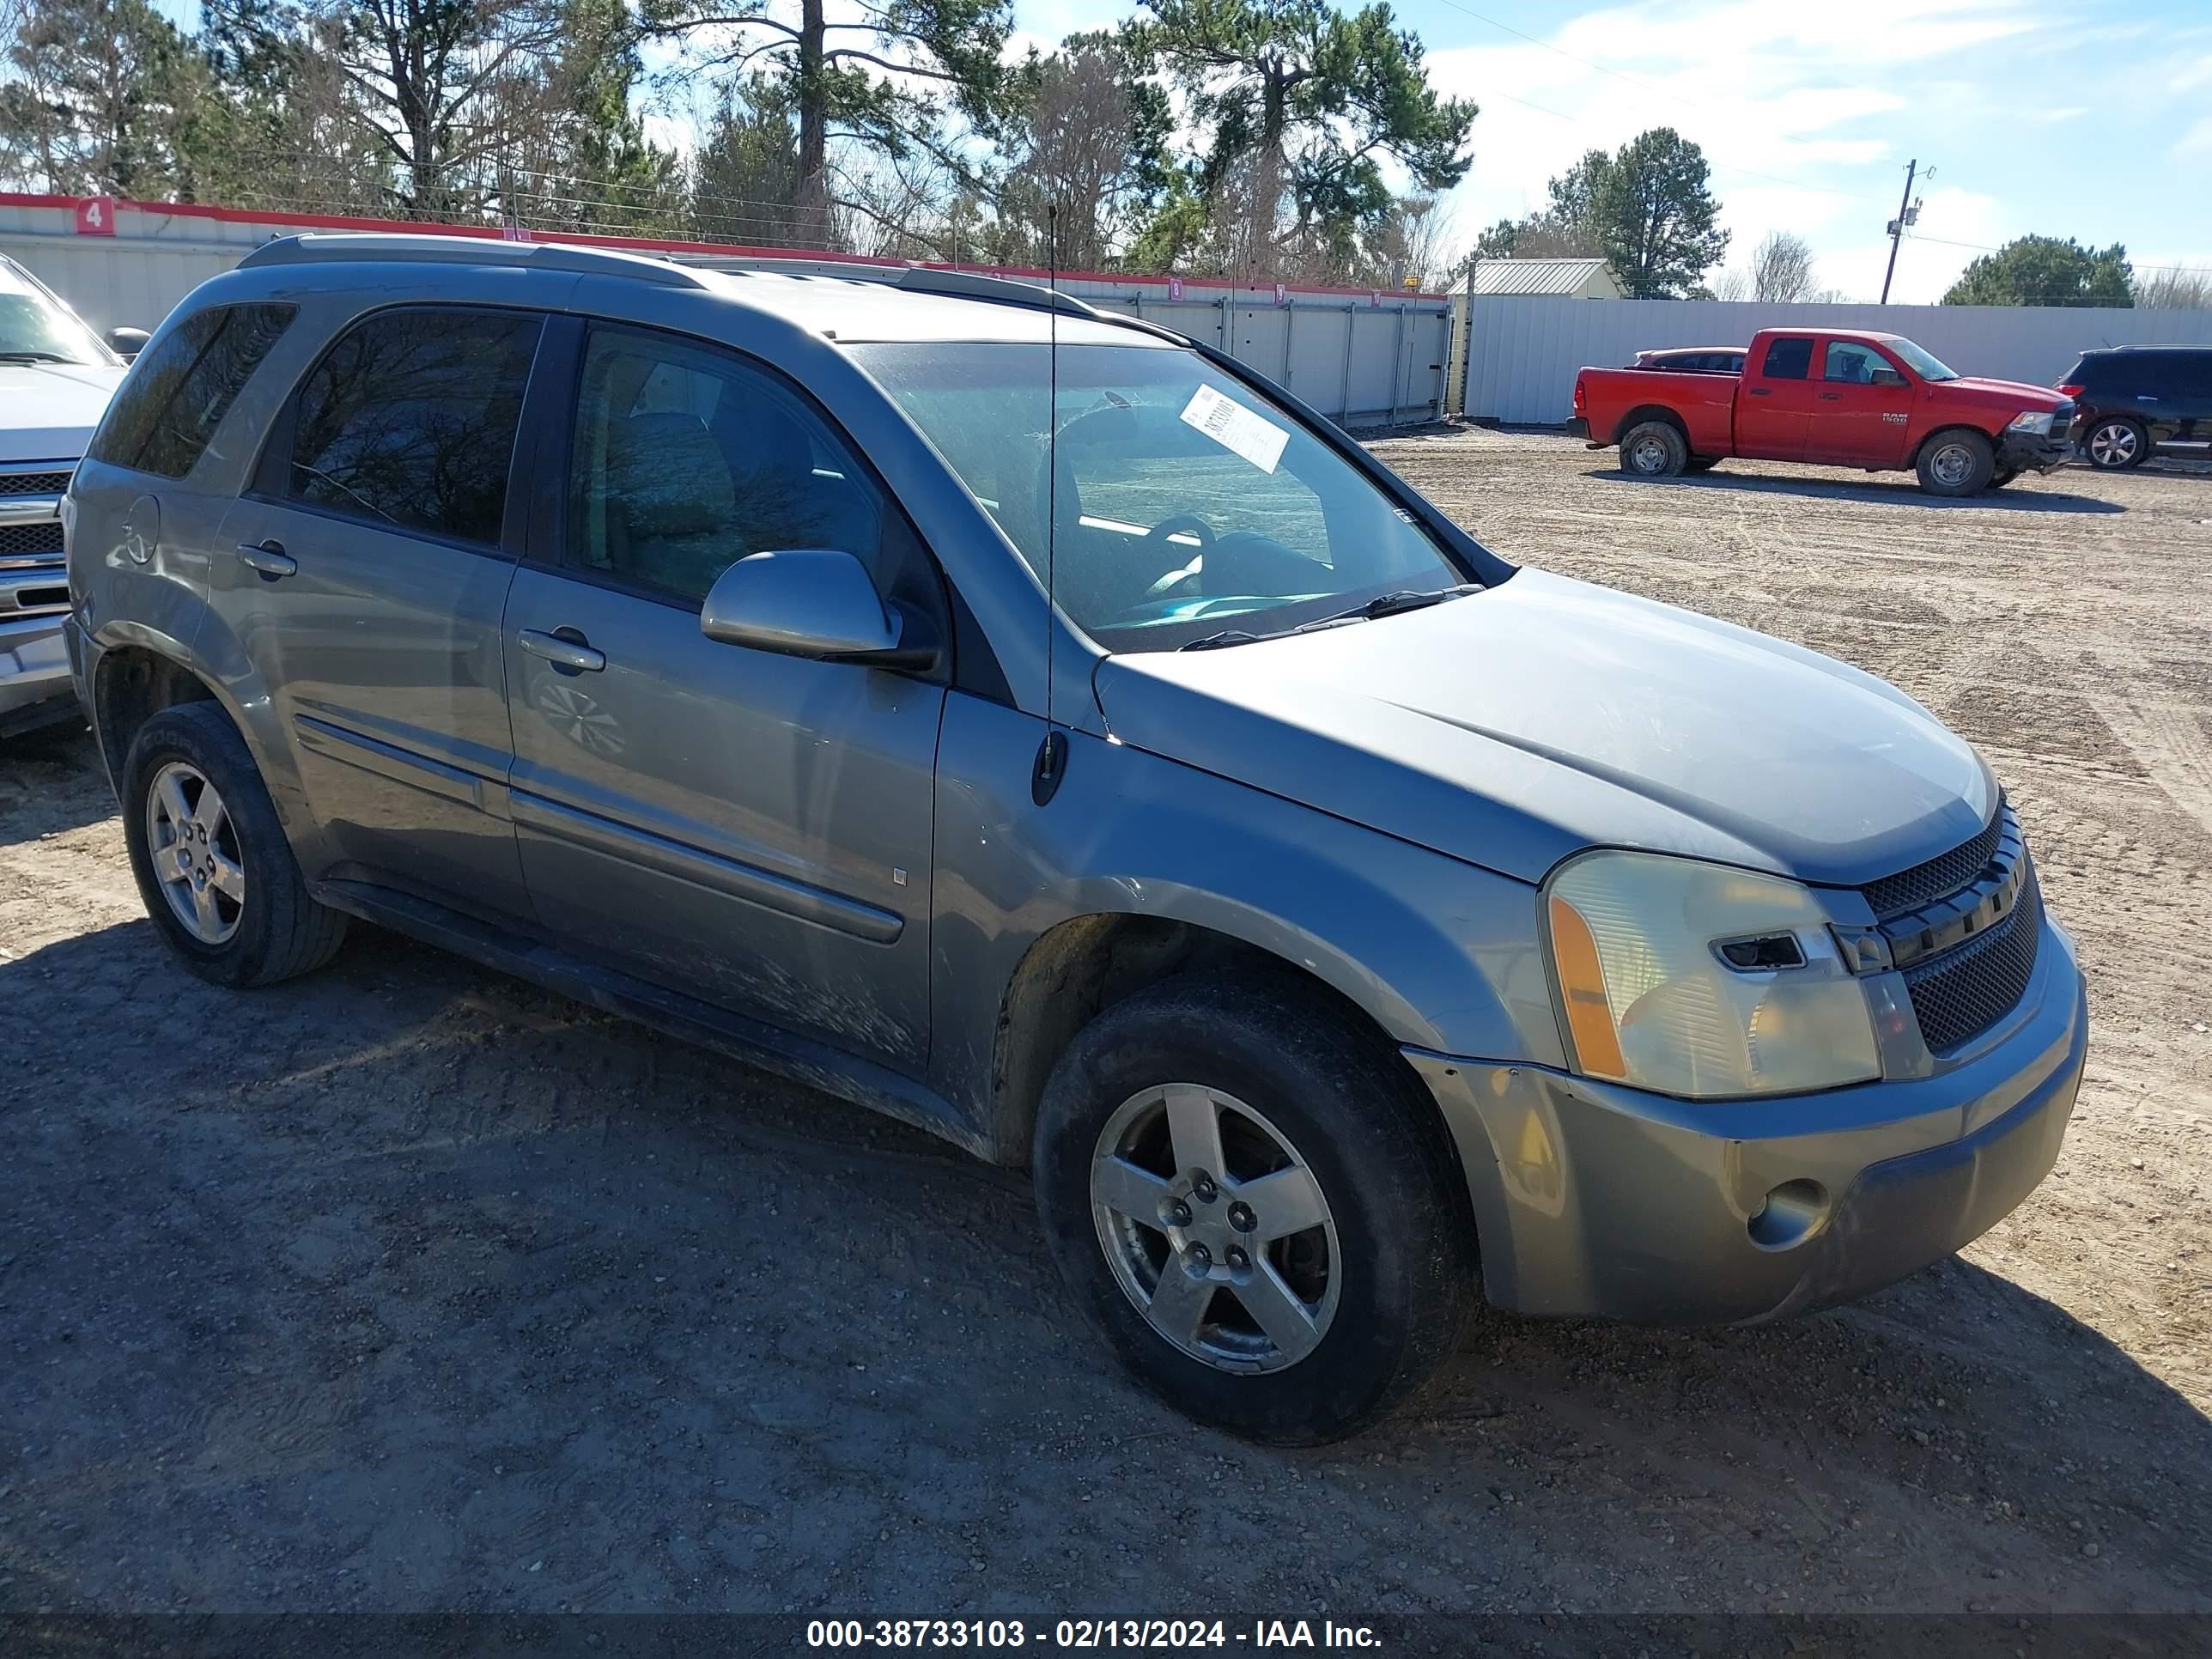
(56, 377)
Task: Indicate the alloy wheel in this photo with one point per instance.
(1216, 1228)
(194, 848)
(2113, 444)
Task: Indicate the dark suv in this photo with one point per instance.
(2133, 400)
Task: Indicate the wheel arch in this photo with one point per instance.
(139, 674)
(1912, 461)
(1661, 412)
(1082, 966)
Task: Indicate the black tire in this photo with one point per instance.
(1372, 1140)
(2114, 443)
(1957, 461)
(281, 932)
(1654, 449)
(1698, 464)
(2003, 475)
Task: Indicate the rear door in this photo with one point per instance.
(366, 572)
(2153, 385)
(2186, 389)
(1854, 421)
(748, 828)
(1774, 404)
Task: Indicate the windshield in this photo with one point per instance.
(34, 328)
(1186, 506)
(1926, 364)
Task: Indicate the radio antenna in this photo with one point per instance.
(1052, 753)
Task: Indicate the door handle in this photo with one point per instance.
(269, 557)
(1762, 391)
(1831, 397)
(572, 654)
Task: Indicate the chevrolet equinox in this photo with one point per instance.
(1035, 724)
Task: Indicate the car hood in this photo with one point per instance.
(2013, 394)
(48, 411)
(1518, 725)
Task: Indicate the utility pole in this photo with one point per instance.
(1906, 213)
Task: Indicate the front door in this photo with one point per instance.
(367, 574)
(748, 828)
(1774, 404)
(1857, 420)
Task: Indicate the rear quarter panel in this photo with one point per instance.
(1705, 403)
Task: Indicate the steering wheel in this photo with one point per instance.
(1179, 523)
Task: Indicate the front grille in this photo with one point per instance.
(1962, 993)
(1942, 876)
(18, 539)
(34, 483)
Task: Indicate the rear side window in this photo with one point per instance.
(410, 420)
(1789, 358)
(167, 409)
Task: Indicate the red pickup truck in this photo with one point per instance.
(1831, 398)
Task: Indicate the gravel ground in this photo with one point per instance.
(407, 1287)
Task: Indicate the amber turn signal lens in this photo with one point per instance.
(1582, 988)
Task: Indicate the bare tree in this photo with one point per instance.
(1414, 247)
(1732, 285)
(1781, 268)
(2175, 290)
(1083, 150)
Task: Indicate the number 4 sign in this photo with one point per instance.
(96, 217)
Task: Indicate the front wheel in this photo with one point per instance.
(1653, 449)
(1256, 1205)
(1959, 463)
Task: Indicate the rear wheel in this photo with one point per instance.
(1956, 463)
(1255, 1204)
(1653, 449)
(2114, 444)
(217, 876)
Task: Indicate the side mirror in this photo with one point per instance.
(127, 343)
(816, 603)
(1888, 377)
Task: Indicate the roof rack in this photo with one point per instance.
(320, 248)
(999, 290)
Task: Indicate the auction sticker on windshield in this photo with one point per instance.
(1236, 428)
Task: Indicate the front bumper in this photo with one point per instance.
(2026, 451)
(1592, 1199)
(35, 689)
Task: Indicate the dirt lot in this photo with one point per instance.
(408, 1287)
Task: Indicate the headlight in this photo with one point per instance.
(1697, 980)
(2028, 421)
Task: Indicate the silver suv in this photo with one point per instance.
(1344, 926)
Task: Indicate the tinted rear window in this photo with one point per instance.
(167, 409)
(409, 419)
(1789, 358)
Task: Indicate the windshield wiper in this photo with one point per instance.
(28, 357)
(1390, 604)
(1226, 637)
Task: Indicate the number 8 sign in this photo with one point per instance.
(96, 217)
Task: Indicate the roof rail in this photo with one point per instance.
(320, 247)
(1000, 290)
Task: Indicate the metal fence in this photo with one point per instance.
(1522, 351)
(1364, 357)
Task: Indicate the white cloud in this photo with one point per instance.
(2197, 139)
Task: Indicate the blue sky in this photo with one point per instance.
(2060, 119)
(2037, 115)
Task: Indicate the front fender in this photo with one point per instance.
(1440, 954)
